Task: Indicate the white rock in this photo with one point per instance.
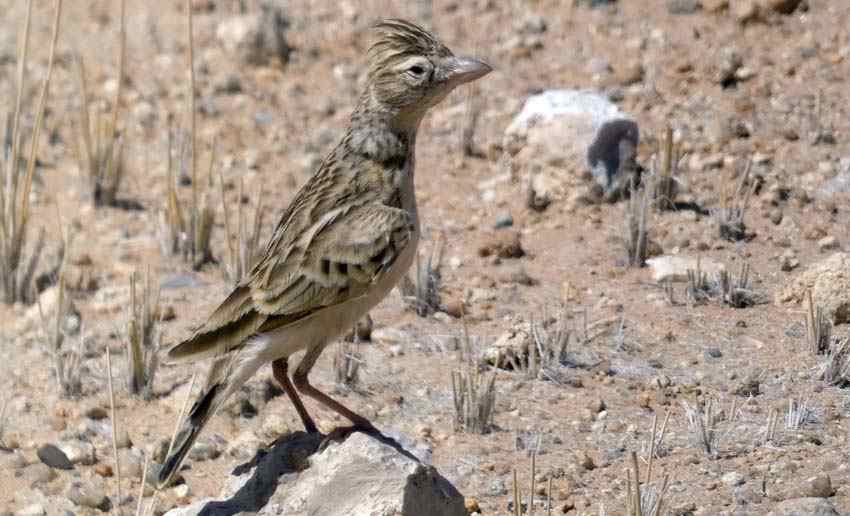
(79, 452)
(579, 128)
(829, 282)
(360, 476)
(675, 268)
(32, 510)
(390, 336)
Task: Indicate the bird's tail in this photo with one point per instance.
(201, 412)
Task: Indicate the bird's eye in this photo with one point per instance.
(416, 70)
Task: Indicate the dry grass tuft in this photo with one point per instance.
(836, 369)
(423, 294)
(647, 499)
(143, 337)
(728, 289)
(666, 184)
(636, 230)
(734, 201)
(100, 151)
(16, 267)
(471, 115)
(67, 364)
(818, 328)
(243, 245)
(346, 362)
(186, 231)
(702, 423)
(189, 235)
(473, 391)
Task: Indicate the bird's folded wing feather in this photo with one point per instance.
(335, 260)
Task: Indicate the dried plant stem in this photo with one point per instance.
(15, 201)
(140, 504)
(114, 429)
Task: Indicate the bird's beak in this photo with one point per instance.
(465, 69)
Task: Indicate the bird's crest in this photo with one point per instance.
(399, 39)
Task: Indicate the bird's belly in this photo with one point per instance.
(328, 324)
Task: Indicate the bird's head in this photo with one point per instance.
(411, 71)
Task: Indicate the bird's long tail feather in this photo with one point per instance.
(198, 417)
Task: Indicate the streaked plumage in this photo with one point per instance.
(344, 242)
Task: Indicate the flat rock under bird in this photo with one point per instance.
(344, 242)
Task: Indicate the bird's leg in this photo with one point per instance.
(300, 380)
(279, 368)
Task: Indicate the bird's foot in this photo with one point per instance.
(341, 433)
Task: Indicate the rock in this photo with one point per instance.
(510, 348)
(358, 476)
(732, 479)
(49, 301)
(804, 507)
(362, 331)
(829, 282)
(39, 474)
(503, 244)
(390, 336)
(79, 452)
(715, 6)
(246, 444)
(503, 220)
(258, 37)
(208, 448)
(675, 268)
(745, 11)
(580, 128)
(32, 510)
(54, 457)
(683, 6)
(828, 243)
(539, 193)
(818, 486)
(88, 496)
(779, 6)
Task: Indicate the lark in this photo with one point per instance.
(346, 239)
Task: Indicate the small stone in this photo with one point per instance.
(503, 220)
(79, 452)
(207, 449)
(182, 491)
(454, 307)
(733, 478)
(54, 457)
(104, 470)
(683, 6)
(503, 244)
(32, 510)
(713, 353)
(715, 6)
(390, 336)
(472, 505)
(804, 506)
(97, 413)
(828, 243)
(819, 486)
(39, 474)
(274, 425)
(780, 6)
(745, 11)
(88, 496)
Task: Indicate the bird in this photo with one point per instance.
(346, 239)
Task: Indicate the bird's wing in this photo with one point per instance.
(334, 260)
(337, 259)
